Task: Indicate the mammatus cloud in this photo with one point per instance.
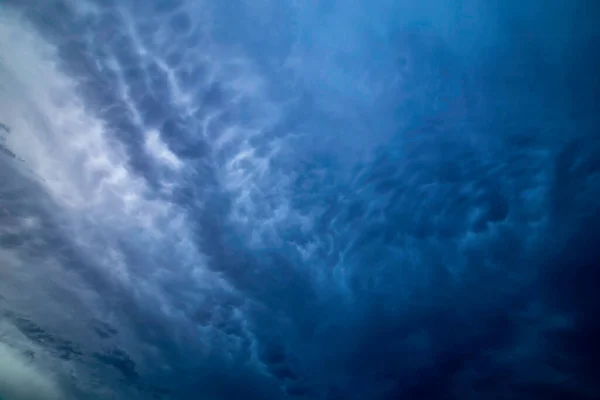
(382, 200)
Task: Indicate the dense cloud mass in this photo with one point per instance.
(279, 199)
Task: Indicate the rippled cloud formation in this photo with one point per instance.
(299, 199)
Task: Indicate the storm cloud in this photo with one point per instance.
(299, 200)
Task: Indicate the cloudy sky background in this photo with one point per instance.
(298, 199)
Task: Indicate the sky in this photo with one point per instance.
(305, 200)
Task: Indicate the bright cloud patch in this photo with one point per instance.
(20, 379)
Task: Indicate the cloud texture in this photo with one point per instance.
(298, 200)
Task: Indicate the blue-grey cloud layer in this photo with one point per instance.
(274, 200)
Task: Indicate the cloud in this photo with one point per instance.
(364, 205)
(160, 151)
(21, 379)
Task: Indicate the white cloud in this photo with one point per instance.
(158, 149)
